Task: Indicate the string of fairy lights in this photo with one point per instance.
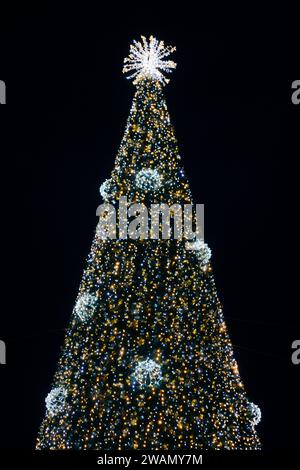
(147, 362)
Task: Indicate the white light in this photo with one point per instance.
(201, 249)
(147, 373)
(146, 60)
(56, 400)
(85, 306)
(107, 189)
(255, 413)
(148, 179)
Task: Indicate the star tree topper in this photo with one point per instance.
(146, 60)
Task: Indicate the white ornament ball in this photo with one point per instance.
(147, 373)
(85, 306)
(148, 179)
(201, 249)
(107, 189)
(255, 414)
(56, 400)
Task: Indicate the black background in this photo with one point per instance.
(67, 104)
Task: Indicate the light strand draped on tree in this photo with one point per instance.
(147, 362)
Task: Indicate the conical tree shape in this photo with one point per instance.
(147, 362)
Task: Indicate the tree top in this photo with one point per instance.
(146, 59)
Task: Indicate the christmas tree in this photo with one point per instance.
(147, 362)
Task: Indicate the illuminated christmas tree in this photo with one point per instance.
(147, 362)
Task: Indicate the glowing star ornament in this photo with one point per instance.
(255, 413)
(85, 306)
(147, 373)
(147, 60)
(56, 400)
(148, 179)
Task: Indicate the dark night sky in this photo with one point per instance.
(229, 101)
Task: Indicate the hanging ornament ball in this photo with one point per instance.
(148, 180)
(201, 250)
(255, 413)
(107, 189)
(147, 373)
(85, 306)
(56, 400)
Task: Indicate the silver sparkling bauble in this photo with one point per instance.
(56, 400)
(147, 373)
